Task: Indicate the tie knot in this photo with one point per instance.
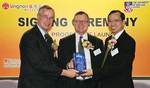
(48, 38)
(81, 37)
(46, 35)
(113, 37)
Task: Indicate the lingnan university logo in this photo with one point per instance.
(5, 5)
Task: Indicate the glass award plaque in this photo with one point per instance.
(79, 62)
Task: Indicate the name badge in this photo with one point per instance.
(97, 52)
(114, 52)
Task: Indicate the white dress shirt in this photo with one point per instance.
(42, 31)
(118, 34)
(87, 53)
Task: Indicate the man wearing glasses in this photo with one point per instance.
(92, 49)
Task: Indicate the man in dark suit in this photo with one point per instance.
(93, 53)
(38, 69)
(117, 69)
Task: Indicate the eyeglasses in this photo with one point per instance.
(46, 17)
(116, 21)
(80, 21)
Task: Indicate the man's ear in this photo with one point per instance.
(72, 22)
(53, 23)
(124, 22)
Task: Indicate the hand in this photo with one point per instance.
(70, 64)
(87, 72)
(71, 73)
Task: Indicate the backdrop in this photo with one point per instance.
(18, 16)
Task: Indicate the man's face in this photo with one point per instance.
(45, 19)
(115, 23)
(80, 24)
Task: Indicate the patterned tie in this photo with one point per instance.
(48, 39)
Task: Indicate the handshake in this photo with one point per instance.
(71, 72)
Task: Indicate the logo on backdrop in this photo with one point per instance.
(25, 7)
(127, 6)
(131, 5)
(5, 5)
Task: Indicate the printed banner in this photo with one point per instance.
(16, 17)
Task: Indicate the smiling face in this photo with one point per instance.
(45, 19)
(80, 23)
(115, 23)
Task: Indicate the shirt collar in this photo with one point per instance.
(85, 36)
(41, 30)
(119, 34)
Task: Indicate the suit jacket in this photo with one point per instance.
(68, 47)
(117, 70)
(38, 69)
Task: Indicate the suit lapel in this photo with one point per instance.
(122, 36)
(73, 41)
(119, 40)
(39, 35)
(91, 51)
(41, 40)
(71, 46)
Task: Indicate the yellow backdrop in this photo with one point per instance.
(20, 15)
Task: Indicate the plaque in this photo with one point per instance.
(79, 62)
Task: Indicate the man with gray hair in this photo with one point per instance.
(38, 69)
